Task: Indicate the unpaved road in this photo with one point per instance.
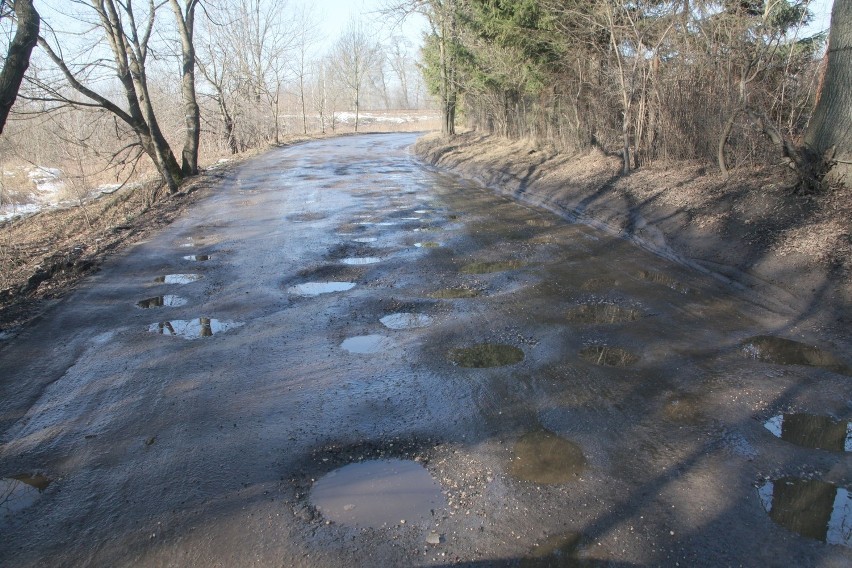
(630, 433)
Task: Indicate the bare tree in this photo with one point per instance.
(185, 18)
(306, 37)
(18, 56)
(353, 57)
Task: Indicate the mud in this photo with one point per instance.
(486, 355)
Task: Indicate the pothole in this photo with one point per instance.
(488, 267)
(771, 349)
(317, 288)
(360, 260)
(543, 457)
(664, 279)
(608, 356)
(194, 328)
(428, 244)
(406, 321)
(812, 431)
(197, 257)
(486, 355)
(20, 491)
(367, 344)
(454, 293)
(177, 278)
(167, 301)
(812, 508)
(602, 313)
(377, 494)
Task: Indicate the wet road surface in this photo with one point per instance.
(519, 390)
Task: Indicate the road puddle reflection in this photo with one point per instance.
(812, 431)
(601, 313)
(197, 257)
(177, 278)
(427, 244)
(771, 349)
(664, 279)
(811, 508)
(543, 457)
(360, 260)
(20, 491)
(167, 301)
(406, 321)
(486, 355)
(317, 288)
(367, 344)
(194, 328)
(608, 356)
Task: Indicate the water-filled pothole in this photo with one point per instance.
(602, 313)
(167, 301)
(197, 257)
(317, 288)
(20, 491)
(367, 344)
(771, 349)
(177, 278)
(428, 244)
(488, 267)
(406, 320)
(486, 355)
(812, 431)
(360, 260)
(454, 293)
(544, 457)
(194, 328)
(809, 507)
(608, 356)
(377, 494)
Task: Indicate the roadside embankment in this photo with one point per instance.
(751, 230)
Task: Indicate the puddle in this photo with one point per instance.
(427, 244)
(359, 260)
(427, 229)
(367, 344)
(194, 328)
(608, 356)
(317, 288)
(771, 349)
(544, 457)
(406, 321)
(811, 508)
(454, 293)
(602, 313)
(555, 550)
(306, 217)
(20, 491)
(365, 240)
(377, 494)
(197, 257)
(487, 267)
(660, 278)
(177, 278)
(167, 301)
(486, 355)
(812, 431)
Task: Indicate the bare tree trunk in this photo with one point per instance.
(18, 57)
(192, 114)
(829, 134)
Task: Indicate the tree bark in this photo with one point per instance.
(18, 58)
(192, 114)
(829, 134)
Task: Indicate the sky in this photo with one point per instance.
(335, 15)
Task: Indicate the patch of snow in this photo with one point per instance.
(11, 211)
(47, 179)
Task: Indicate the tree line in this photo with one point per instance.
(115, 81)
(726, 81)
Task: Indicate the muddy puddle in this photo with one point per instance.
(544, 457)
(167, 301)
(197, 257)
(454, 293)
(664, 279)
(405, 320)
(194, 328)
(811, 508)
(559, 550)
(486, 355)
(812, 431)
(377, 494)
(428, 244)
(781, 351)
(360, 260)
(365, 240)
(608, 356)
(317, 288)
(489, 267)
(367, 344)
(19, 492)
(602, 313)
(177, 278)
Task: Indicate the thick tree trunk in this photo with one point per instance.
(829, 134)
(18, 58)
(192, 113)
